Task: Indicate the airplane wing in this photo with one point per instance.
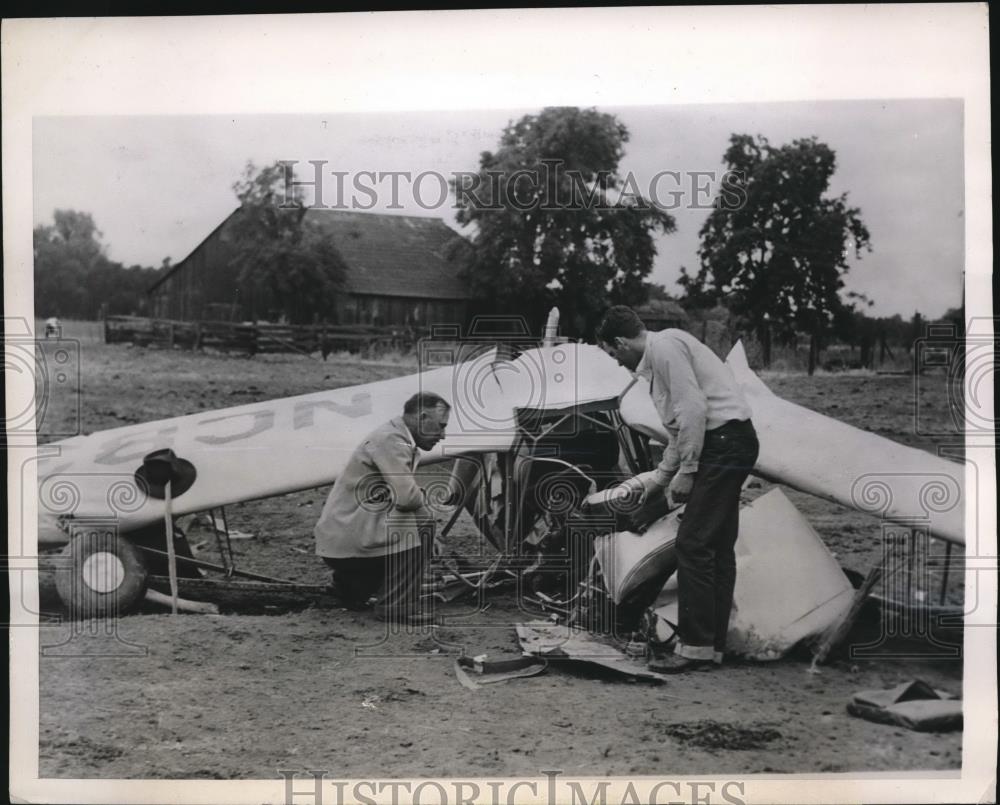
(833, 460)
(272, 448)
(285, 445)
(249, 451)
(836, 461)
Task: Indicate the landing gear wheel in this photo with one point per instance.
(101, 575)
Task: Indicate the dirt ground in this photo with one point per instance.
(240, 696)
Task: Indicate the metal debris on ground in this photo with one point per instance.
(914, 705)
(474, 672)
(554, 641)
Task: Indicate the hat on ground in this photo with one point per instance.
(162, 466)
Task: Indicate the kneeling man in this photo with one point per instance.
(376, 531)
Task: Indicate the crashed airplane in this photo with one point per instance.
(538, 441)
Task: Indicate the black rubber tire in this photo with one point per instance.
(121, 579)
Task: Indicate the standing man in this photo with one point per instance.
(711, 450)
(375, 531)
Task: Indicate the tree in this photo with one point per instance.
(956, 317)
(779, 258)
(64, 254)
(697, 295)
(74, 277)
(553, 223)
(918, 330)
(655, 290)
(284, 258)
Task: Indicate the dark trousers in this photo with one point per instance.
(706, 538)
(395, 580)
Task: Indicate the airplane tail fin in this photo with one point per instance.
(745, 376)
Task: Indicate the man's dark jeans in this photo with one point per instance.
(706, 539)
(395, 579)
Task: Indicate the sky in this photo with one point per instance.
(157, 185)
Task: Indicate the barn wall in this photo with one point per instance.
(396, 311)
(204, 287)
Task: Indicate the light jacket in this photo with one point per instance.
(375, 505)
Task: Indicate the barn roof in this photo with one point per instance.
(394, 255)
(662, 309)
(385, 255)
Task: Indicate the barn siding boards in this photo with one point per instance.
(394, 311)
(400, 271)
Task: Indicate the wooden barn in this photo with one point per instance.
(399, 272)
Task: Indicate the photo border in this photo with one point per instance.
(420, 61)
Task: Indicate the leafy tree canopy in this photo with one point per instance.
(74, 278)
(779, 258)
(553, 222)
(282, 255)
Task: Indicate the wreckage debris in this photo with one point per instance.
(914, 705)
(474, 672)
(560, 642)
(777, 550)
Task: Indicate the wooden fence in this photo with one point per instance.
(252, 339)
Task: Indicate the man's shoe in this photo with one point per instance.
(676, 664)
(408, 618)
